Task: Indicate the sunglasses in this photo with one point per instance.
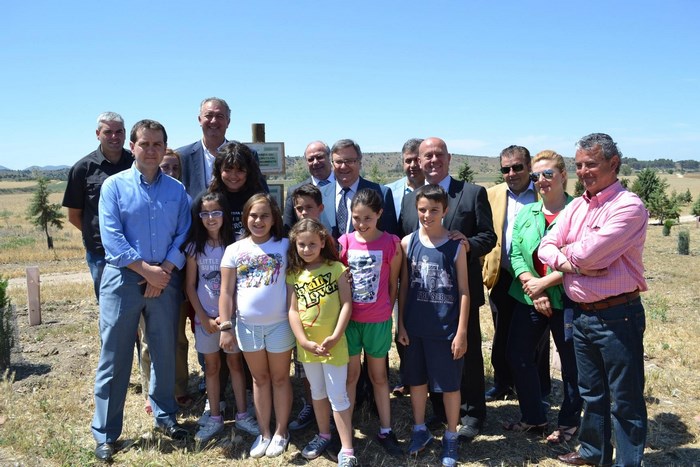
(211, 214)
(516, 168)
(547, 173)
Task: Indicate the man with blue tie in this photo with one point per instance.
(347, 161)
(318, 160)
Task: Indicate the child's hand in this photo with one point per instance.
(227, 340)
(328, 343)
(403, 336)
(459, 345)
(210, 325)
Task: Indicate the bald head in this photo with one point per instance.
(317, 156)
(434, 159)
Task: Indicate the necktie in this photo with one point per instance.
(341, 215)
(323, 182)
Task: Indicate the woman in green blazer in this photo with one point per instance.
(541, 305)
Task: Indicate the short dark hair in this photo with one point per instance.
(433, 193)
(346, 143)
(147, 125)
(309, 190)
(514, 150)
(367, 197)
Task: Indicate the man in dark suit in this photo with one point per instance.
(318, 160)
(347, 160)
(197, 159)
(468, 217)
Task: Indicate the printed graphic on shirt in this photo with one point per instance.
(238, 230)
(255, 271)
(365, 267)
(429, 278)
(210, 275)
(309, 294)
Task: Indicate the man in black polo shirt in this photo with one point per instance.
(84, 183)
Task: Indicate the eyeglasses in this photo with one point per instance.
(348, 162)
(547, 173)
(211, 214)
(516, 168)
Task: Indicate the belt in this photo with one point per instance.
(610, 301)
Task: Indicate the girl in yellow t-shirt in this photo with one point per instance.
(320, 309)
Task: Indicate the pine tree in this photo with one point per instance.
(42, 213)
(466, 173)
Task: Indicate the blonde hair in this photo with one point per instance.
(549, 155)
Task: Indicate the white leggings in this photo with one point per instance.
(328, 380)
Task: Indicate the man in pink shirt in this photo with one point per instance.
(597, 244)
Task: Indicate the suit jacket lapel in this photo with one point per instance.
(454, 197)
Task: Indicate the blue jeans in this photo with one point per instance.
(609, 352)
(121, 305)
(96, 262)
(527, 331)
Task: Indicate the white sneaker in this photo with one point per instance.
(346, 461)
(248, 425)
(259, 447)
(208, 431)
(277, 446)
(204, 419)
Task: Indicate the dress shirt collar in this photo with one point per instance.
(444, 183)
(353, 188)
(331, 179)
(605, 194)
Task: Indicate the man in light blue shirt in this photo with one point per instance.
(414, 175)
(144, 219)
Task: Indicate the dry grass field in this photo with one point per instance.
(46, 401)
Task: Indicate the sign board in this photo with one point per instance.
(271, 156)
(277, 192)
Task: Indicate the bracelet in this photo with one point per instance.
(226, 325)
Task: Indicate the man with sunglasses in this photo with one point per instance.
(506, 200)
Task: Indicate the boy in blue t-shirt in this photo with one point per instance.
(433, 314)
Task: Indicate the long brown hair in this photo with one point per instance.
(329, 252)
(277, 228)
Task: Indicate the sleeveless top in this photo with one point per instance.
(432, 305)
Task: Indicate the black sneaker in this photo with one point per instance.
(304, 418)
(390, 444)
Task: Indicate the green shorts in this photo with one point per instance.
(375, 338)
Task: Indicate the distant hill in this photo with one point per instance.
(47, 168)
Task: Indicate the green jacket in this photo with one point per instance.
(528, 230)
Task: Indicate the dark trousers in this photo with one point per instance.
(502, 306)
(472, 387)
(527, 331)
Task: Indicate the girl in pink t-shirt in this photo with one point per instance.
(374, 258)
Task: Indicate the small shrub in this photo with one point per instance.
(668, 223)
(656, 307)
(684, 242)
(7, 340)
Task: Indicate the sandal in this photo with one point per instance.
(525, 428)
(562, 434)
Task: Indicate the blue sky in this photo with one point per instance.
(481, 75)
